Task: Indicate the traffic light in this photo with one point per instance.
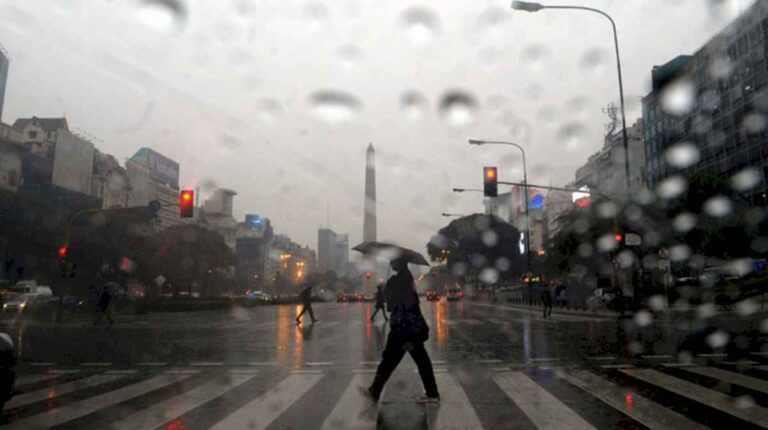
(187, 203)
(619, 237)
(490, 182)
(62, 251)
(367, 275)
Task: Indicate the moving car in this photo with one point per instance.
(432, 296)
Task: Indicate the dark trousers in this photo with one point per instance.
(307, 307)
(547, 309)
(380, 308)
(393, 353)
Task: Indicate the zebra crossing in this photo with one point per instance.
(656, 396)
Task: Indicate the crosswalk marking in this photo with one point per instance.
(159, 413)
(454, 410)
(33, 379)
(81, 408)
(353, 411)
(258, 413)
(544, 409)
(59, 390)
(731, 377)
(711, 398)
(647, 412)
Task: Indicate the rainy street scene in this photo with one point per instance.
(361, 215)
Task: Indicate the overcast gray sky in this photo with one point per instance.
(278, 99)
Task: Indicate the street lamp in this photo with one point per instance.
(461, 190)
(452, 215)
(535, 7)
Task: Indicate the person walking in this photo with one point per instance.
(306, 301)
(408, 332)
(546, 298)
(103, 300)
(380, 303)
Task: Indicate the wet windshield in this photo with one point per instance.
(246, 214)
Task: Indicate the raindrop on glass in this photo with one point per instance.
(746, 179)
(334, 106)
(547, 115)
(718, 339)
(585, 250)
(684, 222)
(489, 275)
(490, 238)
(244, 8)
(459, 269)
(764, 325)
(421, 24)
(317, 13)
(269, 110)
(720, 67)
(682, 155)
(679, 252)
(607, 242)
(502, 264)
(678, 97)
(746, 307)
(744, 402)
(350, 55)
(491, 19)
(534, 57)
(626, 259)
(755, 123)
(657, 302)
(718, 206)
(414, 105)
(534, 91)
(671, 187)
(643, 318)
(607, 210)
(458, 108)
(706, 310)
(165, 15)
(593, 61)
(573, 136)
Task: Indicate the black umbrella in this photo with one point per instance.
(391, 252)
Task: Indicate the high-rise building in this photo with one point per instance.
(726, 83)
(216, 214)
(369, 220)
(4, 65)
(110, 181)
(155, 177)
(332, 251)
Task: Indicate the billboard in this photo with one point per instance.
(581, 198)
(255, 222)
(161, 168)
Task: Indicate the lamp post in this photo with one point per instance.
(535, 7)
(445, 214)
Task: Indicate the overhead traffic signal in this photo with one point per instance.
(187, 203)
(619, 237)
(490, 182)
(62, 251)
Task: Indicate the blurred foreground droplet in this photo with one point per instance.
(684, 222)
(489, 275)
(458, 108)
(746, 179)
(164, 15)
(413, 105)
(718, 339)
(573, 136)
(718, 206)
(593, 61)
(671, 187)
(643, 318)
(334, 106)
(422, 25)
(682, 155)
(677, 97)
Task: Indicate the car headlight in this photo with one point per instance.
(23, 305)
(5, 306)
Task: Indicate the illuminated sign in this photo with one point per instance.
(255, 222)
(581, 198)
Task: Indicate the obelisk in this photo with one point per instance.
(369, 221)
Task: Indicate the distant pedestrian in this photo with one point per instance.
(103, 302)
(408, 333)
(306, 300)
(546, 298)
(380, 303)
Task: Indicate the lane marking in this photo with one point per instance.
(152, 364)
(731, 377)
(536, 360)
(541, 407)
(319, 363)
(353, 411)
(306, 372)
(63, 371)
(364, 371)
(677, 364)
(49, 393)
(488, 361)
(645, 411)
(713, 355)
(181, 372)
(96, 364)
(33, 379)
(263, 363)
(121, 372)
(455, 410)
(260, 412)
(711, 398)
(206, 363)
(656, 357)
(617, 366)
(369, 363)
(157, 414)
(41, 364)
(605, 358)
(90, 405)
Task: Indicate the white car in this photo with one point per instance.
(20, 302)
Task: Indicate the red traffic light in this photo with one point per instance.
(367, 275)
(490, 184)
(63, 251)
(618, 237)
(187, 203)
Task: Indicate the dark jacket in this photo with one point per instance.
(406, 320)
(380, 298)
(306, 295)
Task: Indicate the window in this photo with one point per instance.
(32, 134)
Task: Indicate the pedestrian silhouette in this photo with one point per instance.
(306, 300)
(408, 332)
(104, 299)
(546, 298)
(380, 303)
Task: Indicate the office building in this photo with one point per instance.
(332, 251)
(153, 176)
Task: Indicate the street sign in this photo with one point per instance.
(154, 207)
(632, 239)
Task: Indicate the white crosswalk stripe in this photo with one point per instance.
(454, 412)
(33, 379)
(353, 411)
(259, 413)
(731, 377)
(60, 390)
(543, 409)
(711, 398)
(159, 413)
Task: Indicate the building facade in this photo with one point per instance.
(110, 181)
(12, 152)
(729, 78)
(216, 213)
(4, 66)
(153, 176)
(332, 251)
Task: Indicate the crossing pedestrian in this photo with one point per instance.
(306, 301)
(546, 298)
(408, 332)
(103, 301)
(380, 303)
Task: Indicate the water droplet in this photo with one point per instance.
(705, 310)
(350, 55)
(744, 402)
(739, 267)
(671, 187)
(720, 67)
(755, 123)
(334, 106)
(607, 210)
(489, 275)
(764, 325)
(502, 264)
(626, 259)
(244, 8)
(643, 318)
(718, 339)
(581, 226)
(684, 222)
(547, 116)
(534, 91)
(317, 13)
(414, 105)
(657, 302)
(269, 110)
(594, 60)
(607, 242)
(718, 206)
(164, 15)
(458, 108)
(578, 105)
(679, 252)
(421, 24)
(534, 56)
(585, 250)
(490, 238)
(573, 136)
(682, 155)
(746, 179)
(746, 307)
(489, 57)
(208, 185)
(491, 20)
(678, 96)
(459, 269)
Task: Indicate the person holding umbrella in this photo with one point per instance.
(408, 329)
(306, 301)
